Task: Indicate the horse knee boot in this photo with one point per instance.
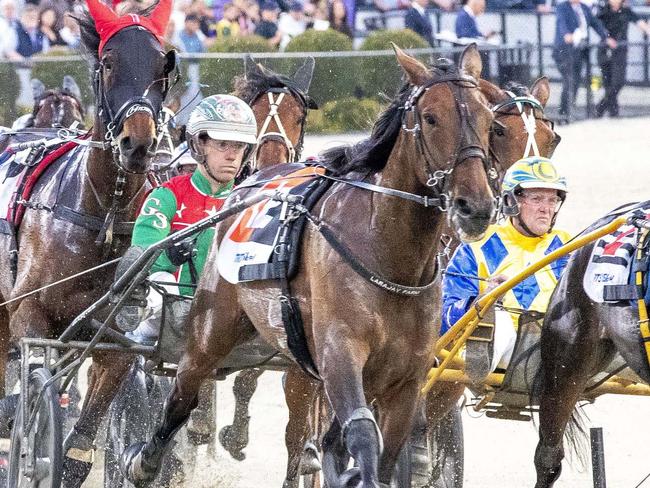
(78, 460)
(363, 440)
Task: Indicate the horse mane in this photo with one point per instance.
(249, 86)
(371, 155)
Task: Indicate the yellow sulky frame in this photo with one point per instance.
(452, 367)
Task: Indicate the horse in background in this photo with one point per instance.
(583, 336)
(427, 154)
(520, 129)
(94, 192)
(53, 109)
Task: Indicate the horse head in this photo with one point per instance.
(520, 128)
(57, 108)
(132, 74)
(280, 104)
(446, 123)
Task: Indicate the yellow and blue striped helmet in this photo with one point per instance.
(533, 172)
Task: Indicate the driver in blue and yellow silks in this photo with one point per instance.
(532, 195)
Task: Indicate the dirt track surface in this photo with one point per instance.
(606, 164)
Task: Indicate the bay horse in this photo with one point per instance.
(88, 200)
(520, 129)
(580, 338)
(511, 138)
(430, 146)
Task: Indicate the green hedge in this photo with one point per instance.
(218, 74)
(345, 115)
(382, 74)
(334, 78)
(8, 94)
(51, 73)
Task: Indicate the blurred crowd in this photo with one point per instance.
(29, 27)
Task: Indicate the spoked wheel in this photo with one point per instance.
(36, 456)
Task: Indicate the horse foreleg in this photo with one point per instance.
(341, 367)
(300, 394)
(234, 438)
(397, 409)
(105, 375)
(215, 329)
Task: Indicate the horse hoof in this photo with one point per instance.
(309, 461)
(232, 443)
(350, 478)
(132, 466)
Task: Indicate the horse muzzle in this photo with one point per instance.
(470, 218)
(137, 142)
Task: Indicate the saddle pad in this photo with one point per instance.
(612, 256)
(250, 240)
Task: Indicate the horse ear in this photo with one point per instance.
(470, 61)
(102, 14)
(70, 85)
(541, 90)
(160, 15)
(38, 88)
(251, 67)
(416, 72)
(303, 75)
(493, 93)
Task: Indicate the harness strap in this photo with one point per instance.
(441, 202)
(364, 272)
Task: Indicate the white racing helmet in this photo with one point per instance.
(225, 118)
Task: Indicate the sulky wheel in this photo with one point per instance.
(36, 456)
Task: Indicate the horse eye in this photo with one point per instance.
(430, 119)
(498, 130)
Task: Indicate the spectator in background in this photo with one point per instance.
(418, 21)
(191, 39)
(249, 17)
(570, 50)
(47, 23)
(8, 25)
(203, 12)
(30, 38)
(228, 26)
(466, 26)
(616, 17)
(388, 5)
(268, 26)
(70, 32)
(338, 18)
(292, 23)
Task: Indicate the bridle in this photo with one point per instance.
(469, 145)
(58, 107)
(114, 120)
(275, 97)
(529, 119)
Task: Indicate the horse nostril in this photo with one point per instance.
(125, 144)
(463, 207)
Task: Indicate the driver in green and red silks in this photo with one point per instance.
(222, 133)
